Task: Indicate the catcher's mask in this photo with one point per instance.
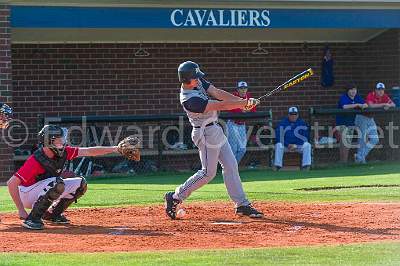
(6, 113)
(53, 137)
(189, 70)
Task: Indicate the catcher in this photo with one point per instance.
(37, 185)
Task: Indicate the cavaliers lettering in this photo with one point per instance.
(220, 18)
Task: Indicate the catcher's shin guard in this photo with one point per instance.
(64, 203)
(43, 203)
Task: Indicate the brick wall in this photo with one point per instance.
(107, 79)
(379, 60)
(6, 166)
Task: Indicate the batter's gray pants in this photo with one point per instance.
(213, 148)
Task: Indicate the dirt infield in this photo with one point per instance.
(205, 226)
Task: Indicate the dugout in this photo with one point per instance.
(66, 58)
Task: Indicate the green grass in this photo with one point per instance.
(366, 254)
(258, 184)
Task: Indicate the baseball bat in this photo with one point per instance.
(291, 82)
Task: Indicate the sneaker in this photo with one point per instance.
(171, 205)
(60, 219)
(33, 225)
(276, 168)
(306, 168)
(250, 211)
(358, 161)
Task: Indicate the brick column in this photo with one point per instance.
(6, 153)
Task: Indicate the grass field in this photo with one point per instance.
(367, 183)
(367, 254)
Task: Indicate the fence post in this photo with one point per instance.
(40, 122)
(271, 141)
(312, 140)
(160, 146)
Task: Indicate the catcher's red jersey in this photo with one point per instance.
(32, 168)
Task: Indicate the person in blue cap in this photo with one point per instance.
(292, 134)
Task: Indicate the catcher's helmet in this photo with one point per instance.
(189, 70)
(6, 113)
(48, 134)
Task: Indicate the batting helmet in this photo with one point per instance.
(189, 70)
(48, 134)
(6, 113)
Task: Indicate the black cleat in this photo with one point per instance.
(59, 219)
(171, 204)
(248, 210)
(33, 224)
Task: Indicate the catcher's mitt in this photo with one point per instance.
(129, 148)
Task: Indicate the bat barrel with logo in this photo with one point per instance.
(298, 78)
(291, 82)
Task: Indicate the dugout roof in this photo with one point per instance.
(60, 21)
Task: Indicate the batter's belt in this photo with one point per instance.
(210, 124)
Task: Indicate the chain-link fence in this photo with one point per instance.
(166, 141)
(167, 144)
(327, 138)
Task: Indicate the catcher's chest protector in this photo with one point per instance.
(53, 167)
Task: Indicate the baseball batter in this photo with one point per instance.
(209, 137)
(37, 185)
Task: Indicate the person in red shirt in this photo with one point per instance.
(366, 124)
(37, 185)
(237, 135)
(378, 98)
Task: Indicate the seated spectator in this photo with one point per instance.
(366, 124)
(345, 123)
(237, 134)
(378, 98)
(292, 135)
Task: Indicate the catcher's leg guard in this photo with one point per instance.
(44, 202)
(64, 203)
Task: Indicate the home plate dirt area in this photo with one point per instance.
(206, 226)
